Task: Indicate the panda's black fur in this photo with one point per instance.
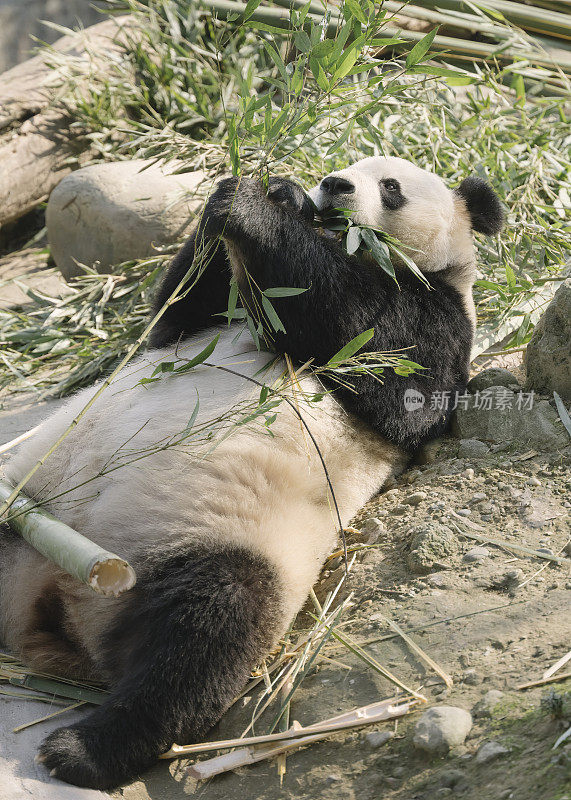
(345, 296)
(178, 647)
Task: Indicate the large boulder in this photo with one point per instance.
(112, 212)
(498, 414)
(548, 355)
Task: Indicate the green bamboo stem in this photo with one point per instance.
(102, 571)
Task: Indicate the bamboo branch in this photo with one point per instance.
(102, 571)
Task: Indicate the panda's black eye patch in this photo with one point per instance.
(391, 194)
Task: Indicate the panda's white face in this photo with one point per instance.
(414, 205)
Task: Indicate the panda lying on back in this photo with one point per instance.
(227, 547)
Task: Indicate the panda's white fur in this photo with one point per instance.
(191, 515)
(267, 493)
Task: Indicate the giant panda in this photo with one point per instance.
(228, 540)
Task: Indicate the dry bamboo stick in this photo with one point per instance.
(542, 681)
(366, 715)
(104, 572)
(18, 440)
(558, 664)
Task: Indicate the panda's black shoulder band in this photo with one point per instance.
(484, 207)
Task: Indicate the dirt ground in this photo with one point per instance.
(468, 616)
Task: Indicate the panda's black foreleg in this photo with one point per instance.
(190, 633)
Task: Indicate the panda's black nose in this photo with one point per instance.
(333, 186)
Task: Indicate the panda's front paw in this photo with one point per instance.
(232, 199)
(290, 194)
(88, 757)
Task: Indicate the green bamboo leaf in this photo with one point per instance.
(273, 318)
(198, 359)
(302, 41)
(233, 147)
(345, 63)
(277, 59)
(352, 347)
(284, 291)
(319, 74)
(232, 300)
(379, 251)
(421, 48)
(355, 10)
(251, 6)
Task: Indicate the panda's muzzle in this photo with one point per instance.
(336, 186)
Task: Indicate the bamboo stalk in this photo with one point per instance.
(104, 572)
(366, 715)
(18, 440)
(558, 664)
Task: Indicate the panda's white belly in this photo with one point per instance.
(120, 481)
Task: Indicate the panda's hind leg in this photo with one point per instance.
(181, 649)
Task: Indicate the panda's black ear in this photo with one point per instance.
(484, 207)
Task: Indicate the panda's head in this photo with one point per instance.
(416, 207)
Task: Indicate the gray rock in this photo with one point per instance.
(108, 213)
(441, 728)
(415, 498)
(476, 554)
(548, 354)
(503, 420)
(486, 705)
(428, 545)
(471, 677)
(450, 778)
(372, 528)
(376, 739)
(489, 751)
(472, 448)
(494, 376)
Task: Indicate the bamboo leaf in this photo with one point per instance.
(421, 48)
(351, 347)
(198, 359)
(273, 318)
(284, 291)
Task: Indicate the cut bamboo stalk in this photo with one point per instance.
(366, 715)
(18, 440)
(104, 572)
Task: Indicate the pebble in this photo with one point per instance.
(471, 677)
(378, 738)
(533, 481)
(490, 751)
(463, 512)
(478, 497)
(468, 474)
(415, 498)
(372, 528)
(476, 554)
(438, 580)
(451, 777)
(512, 579)
(472, 448)
(441, 728)
(547, 550)
(399, 510)
(485, 706)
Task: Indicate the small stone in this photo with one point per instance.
(450, 778)
(479, 497)
(415, 498)
(330, 779)
(463, 512)
(441, 728)
(486, 705)
(468, 474)
(378, 738)
(438, 580)
(399, 510)
(489, 751)
(472, 448)
(471, 677)
(547, 550)
(494, 376)
(430, 544)
(476, 554)
(372, 528)
(533, 481)
(567, 549)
